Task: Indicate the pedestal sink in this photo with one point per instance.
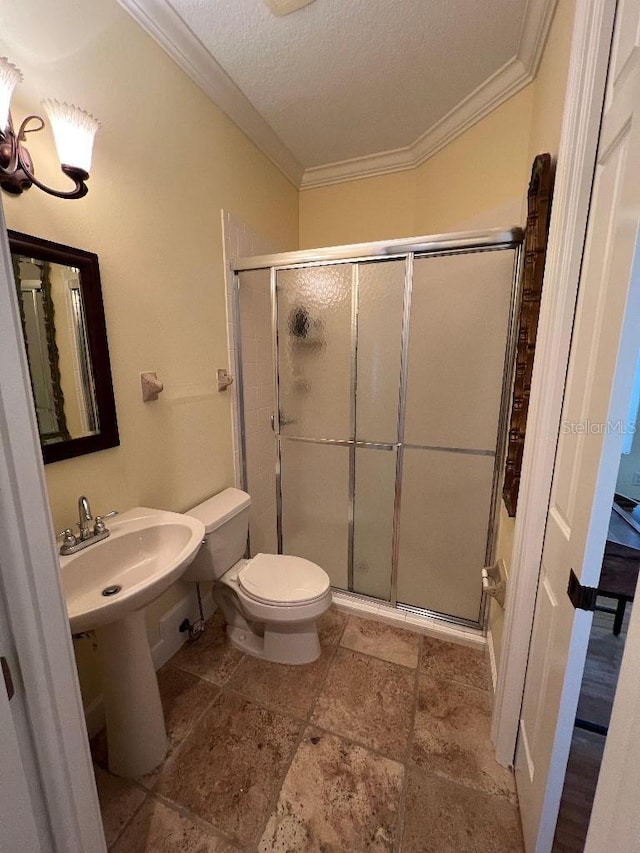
(107, 586)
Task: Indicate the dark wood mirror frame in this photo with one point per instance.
(87, 264)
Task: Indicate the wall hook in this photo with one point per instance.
(224, 380)
(151, 386)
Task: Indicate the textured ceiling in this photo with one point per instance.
(347, 78)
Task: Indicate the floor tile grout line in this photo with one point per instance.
(306, 722)
(234, 691)
(353, 742)
(458, 783)
(171, 757)
(375, 657)
(129, 820)
(402, 806)
(196, 820)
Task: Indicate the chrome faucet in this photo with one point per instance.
(88, 534)
(84, 512)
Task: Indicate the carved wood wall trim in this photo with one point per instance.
(535, 250)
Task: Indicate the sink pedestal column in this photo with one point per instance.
(136, 733)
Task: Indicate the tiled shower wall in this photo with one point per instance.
(254, 335)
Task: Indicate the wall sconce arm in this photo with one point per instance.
(16, 166)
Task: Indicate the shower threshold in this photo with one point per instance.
(410, 618)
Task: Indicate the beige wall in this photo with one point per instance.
(166, 161)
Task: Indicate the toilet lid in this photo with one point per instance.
(278, 579)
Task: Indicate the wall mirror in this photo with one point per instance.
(65, 335)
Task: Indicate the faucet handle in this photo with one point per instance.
(69, 539)
(99, 525)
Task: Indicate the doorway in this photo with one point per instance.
(607, 639)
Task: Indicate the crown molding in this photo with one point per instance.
(508, 80)
(167, 28)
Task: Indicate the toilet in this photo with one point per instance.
(271, 602)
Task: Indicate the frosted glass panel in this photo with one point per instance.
(314, 345)
(444, 519)
(257, 361)
(458, 334)
(380, 305)
(373, 521)
(315, 505)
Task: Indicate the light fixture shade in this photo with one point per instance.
(286, 7)
(74, 131)
(9, 76)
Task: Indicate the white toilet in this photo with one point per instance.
(270, 602)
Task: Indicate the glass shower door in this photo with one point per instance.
(380, 300)
(339, 340)
(314, 413)
(460, 312)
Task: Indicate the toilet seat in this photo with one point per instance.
(283, 580)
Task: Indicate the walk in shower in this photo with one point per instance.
(374, 383)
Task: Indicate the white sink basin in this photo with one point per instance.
(147, 551)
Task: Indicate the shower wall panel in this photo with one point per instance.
(257, 369)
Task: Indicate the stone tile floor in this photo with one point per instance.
(380, 745)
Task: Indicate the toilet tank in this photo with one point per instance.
(226, 522)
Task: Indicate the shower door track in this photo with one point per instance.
(436, 245)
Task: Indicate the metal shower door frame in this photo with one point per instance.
(438, 245)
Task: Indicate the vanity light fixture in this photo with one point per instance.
(73, 131)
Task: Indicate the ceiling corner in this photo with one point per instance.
(533, 35)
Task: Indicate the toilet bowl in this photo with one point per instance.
(271, 602)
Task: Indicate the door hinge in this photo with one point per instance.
(8, 681)
(582, 597)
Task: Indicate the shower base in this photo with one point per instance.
(377, 610)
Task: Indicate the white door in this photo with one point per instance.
(18, 830)
(603, 357)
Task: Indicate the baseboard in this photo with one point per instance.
(492, 661)
(169, 642)
(94, 716)
(171, 639)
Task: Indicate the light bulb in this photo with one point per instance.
(74, 131)
(9, 76)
